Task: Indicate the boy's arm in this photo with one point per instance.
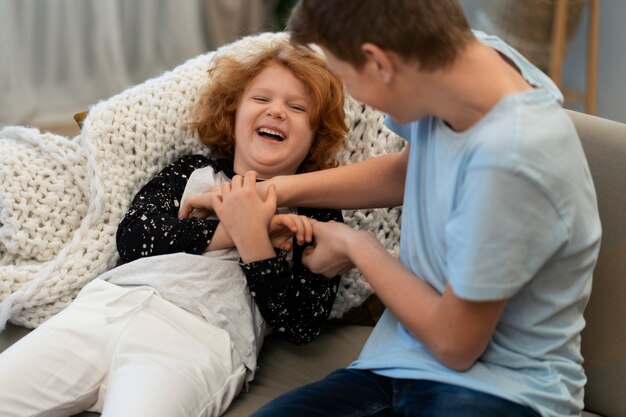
(151, 225)
(375, 182)
(456, 331)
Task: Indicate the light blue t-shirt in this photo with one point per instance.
(504, 210)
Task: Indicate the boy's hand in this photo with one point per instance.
(329, 256)
(199, 205)
(285, 226)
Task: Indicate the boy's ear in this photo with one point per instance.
(381, 60)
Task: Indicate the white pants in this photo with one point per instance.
(121, 352)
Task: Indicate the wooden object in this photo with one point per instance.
(558, 53)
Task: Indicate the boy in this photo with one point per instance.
(500, 230)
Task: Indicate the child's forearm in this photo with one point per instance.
(255, 245)
(220, 240)
(250, 248)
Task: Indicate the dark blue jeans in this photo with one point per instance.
(358, 393)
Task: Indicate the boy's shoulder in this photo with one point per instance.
(533, 75)
(520, 132)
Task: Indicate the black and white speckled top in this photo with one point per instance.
(291, 299)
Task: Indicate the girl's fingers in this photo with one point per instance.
(226, 187)
(249, 180)
(304, 229)
(288, 222)
(199, 213)
(186, 209)
(217, 203)
(192, 203)
(308, 228)
(301, 233)
(237, 182)
(270, 196)
(301, 227)
(286, 246)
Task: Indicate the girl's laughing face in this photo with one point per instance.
(273, 132)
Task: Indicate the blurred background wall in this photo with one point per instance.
(611, 79)
(57, 57)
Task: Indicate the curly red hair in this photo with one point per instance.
(214, 114)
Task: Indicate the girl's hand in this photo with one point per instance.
(200, 213)
(246, 216)
(285, 226)
(199, 205)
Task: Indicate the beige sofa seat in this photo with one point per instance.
(604, 338)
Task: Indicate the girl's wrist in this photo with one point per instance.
(254, 244)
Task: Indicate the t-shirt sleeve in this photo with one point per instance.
(502, 231)
(404, 131)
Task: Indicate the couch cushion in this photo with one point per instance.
(10, 335)
(283, 367)
(604, 338)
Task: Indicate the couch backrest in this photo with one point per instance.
(604, 338)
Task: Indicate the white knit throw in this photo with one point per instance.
(61, 199)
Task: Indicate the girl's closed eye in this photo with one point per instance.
(297, 107)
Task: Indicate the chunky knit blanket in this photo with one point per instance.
(61, 198)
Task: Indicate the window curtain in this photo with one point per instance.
(57, 57)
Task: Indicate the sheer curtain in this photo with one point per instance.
(59, 56)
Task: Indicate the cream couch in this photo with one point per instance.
(282, 366)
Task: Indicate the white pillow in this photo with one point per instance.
(63, 234)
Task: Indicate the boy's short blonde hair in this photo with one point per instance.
(214, 115)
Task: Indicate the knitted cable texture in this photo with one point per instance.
(61, 199)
